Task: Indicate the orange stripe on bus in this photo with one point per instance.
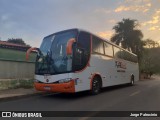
(69, 46)
(29, 51)
(58, 87)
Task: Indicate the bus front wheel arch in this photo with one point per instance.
(96, 85)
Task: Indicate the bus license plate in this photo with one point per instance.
(47, 88)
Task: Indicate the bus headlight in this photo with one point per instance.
(37, 81)
(65, 80)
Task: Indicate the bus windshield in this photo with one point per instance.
(55, 59)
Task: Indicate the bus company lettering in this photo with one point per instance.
(119, 64)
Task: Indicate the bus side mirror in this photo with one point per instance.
(69, 46)
(29, 51)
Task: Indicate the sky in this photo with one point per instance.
(32, 20)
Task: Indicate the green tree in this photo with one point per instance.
(127, 34)
(150, 60)
(151, 43)
(19, 41)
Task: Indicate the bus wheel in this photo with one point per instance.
(132, 81)
(96, 86)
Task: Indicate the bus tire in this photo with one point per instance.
(132, 80)
(96, 86)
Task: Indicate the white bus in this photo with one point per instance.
(75, 60)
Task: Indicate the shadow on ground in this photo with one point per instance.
(84, 93)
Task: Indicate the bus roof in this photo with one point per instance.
(78, 29)
(107, 41)
(61, 32)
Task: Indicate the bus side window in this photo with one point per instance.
(134, 58)
(108, 49)
(127, 56)
(117, 52)
(82, 51)
(97, 45)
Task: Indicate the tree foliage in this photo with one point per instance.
(19, 41)
(149, 43)
(127, 34)
(130, 37)
(150, 60)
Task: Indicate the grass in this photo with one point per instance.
(10, 54)
(13, 84)
(26, 83)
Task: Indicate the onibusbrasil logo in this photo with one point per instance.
(21, 114)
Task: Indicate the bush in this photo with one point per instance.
(21, 84)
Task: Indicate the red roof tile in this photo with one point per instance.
(12, 44)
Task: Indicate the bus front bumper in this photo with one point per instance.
(68, 87)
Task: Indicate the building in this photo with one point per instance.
(7, 45)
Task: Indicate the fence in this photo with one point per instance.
(10, 69)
